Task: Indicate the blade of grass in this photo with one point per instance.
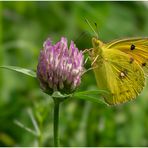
(24, 127)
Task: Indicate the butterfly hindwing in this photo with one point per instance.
(124, 80)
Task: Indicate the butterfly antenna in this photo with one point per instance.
(96, 28)
(86, 20)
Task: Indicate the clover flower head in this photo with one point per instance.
(59, 68)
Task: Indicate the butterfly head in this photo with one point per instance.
(97, 53)
(96, 43)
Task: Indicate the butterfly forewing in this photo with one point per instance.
(137, 48)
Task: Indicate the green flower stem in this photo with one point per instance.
(40, 136)
(1, 44)
(56, 121)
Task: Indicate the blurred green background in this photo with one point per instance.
(23, 28)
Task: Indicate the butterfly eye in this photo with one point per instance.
(132, 47)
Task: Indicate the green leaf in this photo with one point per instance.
(92, 95)
(21, 70)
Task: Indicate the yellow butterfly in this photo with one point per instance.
(120, 67)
